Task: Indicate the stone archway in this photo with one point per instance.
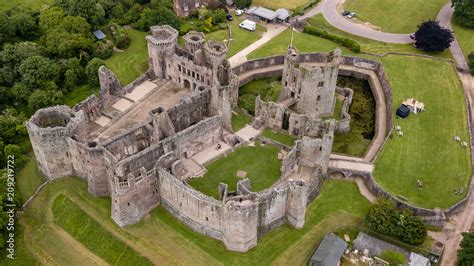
(187, 84)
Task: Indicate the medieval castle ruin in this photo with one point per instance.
(136, 143)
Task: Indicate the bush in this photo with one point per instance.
(346, 42)
(385, 218)
(431, 37)
(471, 62)
(247, 102)
(298, 11)
(121, 38)
(464, 12)
(102, 50)
(92, 69)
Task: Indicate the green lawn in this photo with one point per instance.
(132, 62)
(275, 4)
(397, 16)
(241, 38)
(427, 150)
(239, 120)
(79, 94)
(28, 179)
(268, 88)
(465, 37)
(260, 162)
(372, 46)
(281, 136)
(92, 235)
(40, 241)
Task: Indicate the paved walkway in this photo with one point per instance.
(273, 30)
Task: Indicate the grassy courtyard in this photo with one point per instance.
(427, 150)
(41, 241)
(240, 38)
(260, 162)
(397, 16)
(133, 61)
(239, 120)
(281, 136)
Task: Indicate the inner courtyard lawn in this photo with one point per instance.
(133, 61)
(240, 119)
(41, 241)
(240, 38)
(397, 16)
(280, 136)
(427, 150)
(260, 162)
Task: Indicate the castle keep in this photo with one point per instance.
(138, 143)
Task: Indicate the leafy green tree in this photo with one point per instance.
(73, 73)
(18, 152)
(44, 98)
(243, 3)
(11, 58)
(20, 93)
(158, 16)
(464, 12)
(431, 37)
(92, 69)
(87, 9)
(68, 38)
(37, 70)
(385, 218)
(50, 18)
(466, 252)
(18, 23)
(121, 38)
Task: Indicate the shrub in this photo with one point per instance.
(247, 102)
(431, 37)
(102, 50)
(121, 38)
(346, 42)
(471, 62)
(92, 69)
(300, 9)
(385, 218)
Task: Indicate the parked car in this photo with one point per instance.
(248, 25)
(229, 17)
(351, 15)
(345, 13)
(239, 12)
(412, 36)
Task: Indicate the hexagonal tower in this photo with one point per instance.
(49, 129)
(215, 52)
(161, 44)
(194, 44)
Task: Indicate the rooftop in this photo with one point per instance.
(330, 251)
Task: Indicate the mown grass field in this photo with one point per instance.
(92, 235)
(465, 37)
(397, 16)
(282, 137)
(427, 150)
(240, 38)
(133, 61)
(275, 4)
(165, 241)
(260, 162)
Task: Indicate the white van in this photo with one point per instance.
(248, 25)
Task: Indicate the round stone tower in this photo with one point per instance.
(49, 129)
(215, 52)
(161, 45)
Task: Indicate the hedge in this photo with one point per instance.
(300, 9)
(346, 42)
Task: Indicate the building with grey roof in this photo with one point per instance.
(268, 15)
(329, 251)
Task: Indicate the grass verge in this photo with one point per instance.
(239, 120)
(280, 136)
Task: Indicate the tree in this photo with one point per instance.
(431, 37)
(88, 9)
(466, 252)
(159, 16)
(92, 71)
(385, 218)
(73, 73)
(37, 70)
(18, 23)
(50, 18)
(470, 60)
(44, 98)
(11, 58)
(71, 36)
(121, 39)
(243, 3)
(464, 12)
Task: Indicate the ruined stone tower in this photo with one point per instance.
(161, 45)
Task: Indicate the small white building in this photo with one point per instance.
(418, 260)
(414, 105)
